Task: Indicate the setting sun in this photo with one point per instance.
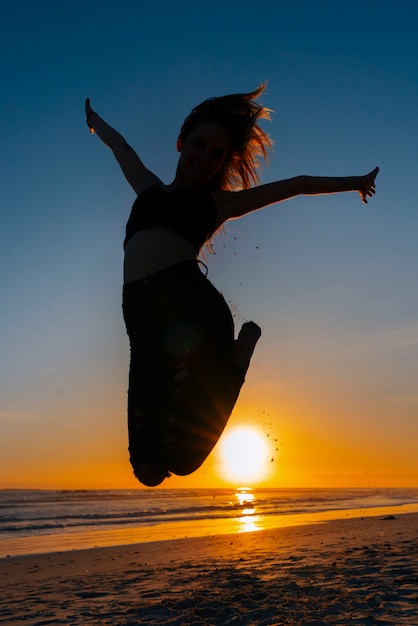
(244, 455)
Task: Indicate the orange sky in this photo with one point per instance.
(304, 453)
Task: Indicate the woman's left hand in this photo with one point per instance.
(367, 187)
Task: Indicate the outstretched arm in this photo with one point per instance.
(236, 204)
(135, 172)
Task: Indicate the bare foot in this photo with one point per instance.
(244, 346)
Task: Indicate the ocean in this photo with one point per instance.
(39, 521)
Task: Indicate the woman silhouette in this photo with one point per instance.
(186, 367)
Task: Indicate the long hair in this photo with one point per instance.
(238, 114)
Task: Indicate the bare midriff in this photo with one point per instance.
(153, 250)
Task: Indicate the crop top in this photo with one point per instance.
(188, 212)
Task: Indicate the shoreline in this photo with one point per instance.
(171, 531)
(361, 570)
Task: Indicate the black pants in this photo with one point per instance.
(183, 383)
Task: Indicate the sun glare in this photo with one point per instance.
(244, 455)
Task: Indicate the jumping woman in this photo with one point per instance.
(186, 367)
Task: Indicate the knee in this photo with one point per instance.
(148, 476)
(185, 466)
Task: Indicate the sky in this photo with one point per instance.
(332, 387)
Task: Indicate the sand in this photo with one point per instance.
(355, 571)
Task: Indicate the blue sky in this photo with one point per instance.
(331, 282)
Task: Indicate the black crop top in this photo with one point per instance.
(190, 213)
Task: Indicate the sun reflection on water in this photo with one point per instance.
(248, 521)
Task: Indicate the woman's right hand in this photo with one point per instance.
(88, 107)
(89, 112)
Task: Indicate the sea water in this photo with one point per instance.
(47, 520)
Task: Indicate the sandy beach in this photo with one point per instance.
(356, 571)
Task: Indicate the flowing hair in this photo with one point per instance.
(238, 114)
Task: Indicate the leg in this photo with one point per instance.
(205, 403)
(214, 379)
(148, 476)
(149, 410)
(186, 371)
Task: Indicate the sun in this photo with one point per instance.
(244, 455)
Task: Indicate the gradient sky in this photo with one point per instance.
(332, 282)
